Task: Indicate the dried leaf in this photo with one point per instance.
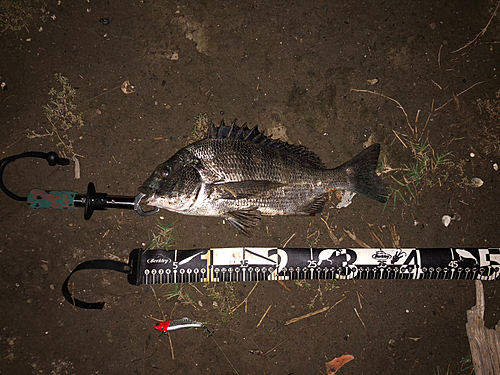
(333, 366)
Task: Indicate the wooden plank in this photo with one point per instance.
(484, 342)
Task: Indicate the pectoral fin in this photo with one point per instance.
(247, 189)
(244, 219)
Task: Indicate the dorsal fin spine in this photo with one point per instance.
(243, 133)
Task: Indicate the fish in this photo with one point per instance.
(241, 174)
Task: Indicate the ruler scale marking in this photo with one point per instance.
(253, 264)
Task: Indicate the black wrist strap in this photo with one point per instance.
(99, 264)
(51, 157)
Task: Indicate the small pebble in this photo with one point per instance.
(104, 21)
(446, 219)
(476, 182)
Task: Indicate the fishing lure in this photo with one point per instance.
(175, 324)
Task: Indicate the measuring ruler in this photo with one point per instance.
(256, 263)
(271, 263)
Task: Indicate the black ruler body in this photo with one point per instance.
(263, 263)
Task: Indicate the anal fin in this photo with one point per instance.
(244, 219)
(315, 206)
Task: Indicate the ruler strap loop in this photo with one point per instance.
(98, 264)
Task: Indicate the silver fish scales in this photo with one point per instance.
(240, 174)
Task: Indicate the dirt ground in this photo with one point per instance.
(289, 68)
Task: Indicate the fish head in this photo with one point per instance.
(174, 185)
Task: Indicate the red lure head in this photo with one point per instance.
(162, 326)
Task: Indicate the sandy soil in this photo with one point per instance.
(290, 69)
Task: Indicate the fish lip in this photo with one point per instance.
(146, 190)
(149, 194)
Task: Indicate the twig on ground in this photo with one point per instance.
(414, 338)
(439, 56)
(171, 345)
(224, 354)
(361, 320)
(152, 317)
(437, 84)
(463, 92)
(482, 32)
(270, 350)
(295, 320)
(194, 286)
(263, 316)
(417, 116)
(77, 167)
(336, 303)
(399, 138)
(428, 119)
(104, 93)
(286, 243)
(394, 236)
(168, 333)
(245, 300)
(393, 100)
(334, 238)
(359, 300)
(283, 285)
(157, 301)
(313, 234)
(376, 238)
(358, 241)
(327, 308)
(73, 296)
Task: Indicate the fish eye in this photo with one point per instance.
(164, 173)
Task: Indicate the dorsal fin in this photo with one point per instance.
(255, 136)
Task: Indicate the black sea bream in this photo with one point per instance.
(240, 174)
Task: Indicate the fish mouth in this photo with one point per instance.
(149, 194)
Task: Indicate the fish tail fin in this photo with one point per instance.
(360, 176)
